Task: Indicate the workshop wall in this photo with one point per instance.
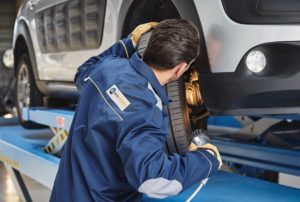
(8, 11)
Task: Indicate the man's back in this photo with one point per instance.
(90, 162)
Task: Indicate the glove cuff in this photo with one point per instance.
(208, 150)
(133, 42)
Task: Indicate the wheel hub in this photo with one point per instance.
(23, 87)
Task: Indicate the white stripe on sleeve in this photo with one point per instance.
(160, 188)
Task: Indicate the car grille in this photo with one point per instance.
(69, 26)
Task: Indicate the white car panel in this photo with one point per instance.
(62, 66)
(228, 41)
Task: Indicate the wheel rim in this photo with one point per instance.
(23, 87)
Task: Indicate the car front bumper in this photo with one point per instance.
(275, 90)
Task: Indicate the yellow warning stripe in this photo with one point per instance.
(57, 141)
(48, 149)
(9, 161)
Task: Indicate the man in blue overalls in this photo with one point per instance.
(115, 148)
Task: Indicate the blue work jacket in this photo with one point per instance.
(115, 147)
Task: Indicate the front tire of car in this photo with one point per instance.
(26, 92)
(181, 124)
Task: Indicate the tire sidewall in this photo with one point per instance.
(179, 136)
(35, 96)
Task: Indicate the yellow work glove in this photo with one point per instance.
(140, 30)
(210, 148)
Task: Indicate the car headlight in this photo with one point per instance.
(8, 58)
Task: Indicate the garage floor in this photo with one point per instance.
(8, 193)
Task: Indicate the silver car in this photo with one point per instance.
(248, 63)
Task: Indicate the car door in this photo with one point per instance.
(68, 33)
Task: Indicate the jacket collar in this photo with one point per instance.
(146, 71)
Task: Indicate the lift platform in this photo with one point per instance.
(261, 156)
(23, 151)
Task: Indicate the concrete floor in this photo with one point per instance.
(38, 192)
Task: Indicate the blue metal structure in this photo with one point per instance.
(23, 150)
(228, 187)
(50, 117)
(227, 121)
(261, 156)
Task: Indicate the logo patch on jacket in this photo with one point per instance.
(118, 97)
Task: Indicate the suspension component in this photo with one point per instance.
(192, 90)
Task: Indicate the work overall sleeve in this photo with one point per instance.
(123, 48)
(141, 148)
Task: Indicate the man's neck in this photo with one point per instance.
(162, 76)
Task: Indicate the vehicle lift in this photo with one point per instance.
(31, 152)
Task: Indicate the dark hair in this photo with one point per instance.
(172, 42)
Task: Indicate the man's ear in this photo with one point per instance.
(180, 69)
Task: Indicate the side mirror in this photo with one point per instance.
(8, 58)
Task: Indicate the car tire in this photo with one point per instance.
(26, 92)
(179, 136)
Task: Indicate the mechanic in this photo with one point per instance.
(115, 148)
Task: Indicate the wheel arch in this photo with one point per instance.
(141, 11)
(132, 9)
(23, 43)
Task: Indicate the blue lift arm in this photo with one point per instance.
(23, 150)
(265, 157)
